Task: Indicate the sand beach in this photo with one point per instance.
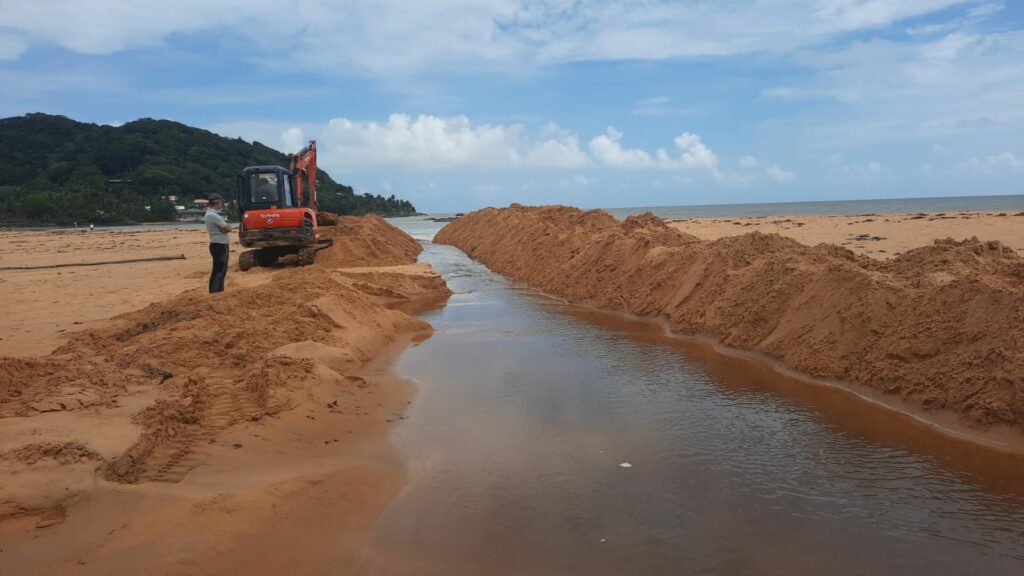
(149, 427)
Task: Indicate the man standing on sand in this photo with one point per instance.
(220, 242)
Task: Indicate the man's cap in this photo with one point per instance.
(215, 198)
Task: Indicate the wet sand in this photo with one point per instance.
(876, 235)
(177, 432)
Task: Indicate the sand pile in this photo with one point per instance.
(217, 360)
(942, 325)
(365, 241)
(197, 364)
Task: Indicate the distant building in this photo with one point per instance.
(200, 202)
(191, 215)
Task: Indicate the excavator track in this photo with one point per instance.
(306, 256)
(247, 260)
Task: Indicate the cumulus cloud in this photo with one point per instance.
(433, 142)
(691, 153)
(609, 152)
(292, 139)
(428, 142)
(556, 148)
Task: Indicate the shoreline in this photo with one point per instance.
(1000, 439)
(247, 430)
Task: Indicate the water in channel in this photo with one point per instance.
(528, 409)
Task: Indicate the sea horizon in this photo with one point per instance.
(997, 203)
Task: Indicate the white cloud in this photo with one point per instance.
(692, 153)
(780, 175)
(995, 162)
(435, 143)
(556, 148)
(867, 171)
(753, 170)
(987, 9)
(292, 139)
(607, 150)
(361, 35)
(432, 142)
(960, 82)
(109, 26)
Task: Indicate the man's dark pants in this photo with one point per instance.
(220, 253)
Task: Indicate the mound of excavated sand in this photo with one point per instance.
(941, 325)
(217, 356)
(366, 241)
(198, 363)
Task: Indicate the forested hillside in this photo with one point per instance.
(54, 170)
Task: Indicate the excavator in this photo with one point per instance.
(278, 212)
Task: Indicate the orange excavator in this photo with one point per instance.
(278, 212)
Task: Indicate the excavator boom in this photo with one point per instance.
(304, 170)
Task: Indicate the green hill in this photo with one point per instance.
(54, 170)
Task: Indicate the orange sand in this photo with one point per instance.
(238, 432)
(876, 235)
(941, 326)
(42, 306)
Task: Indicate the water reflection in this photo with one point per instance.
(527, 407)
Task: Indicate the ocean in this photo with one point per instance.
(996, 204)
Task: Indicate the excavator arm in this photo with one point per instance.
(304, 170)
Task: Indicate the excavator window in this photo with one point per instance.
(271, 188)
(286, 199)
(264, 188)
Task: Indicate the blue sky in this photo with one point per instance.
(458, 104)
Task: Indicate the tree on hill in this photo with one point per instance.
(54, 170)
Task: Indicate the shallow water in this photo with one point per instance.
(528, 406)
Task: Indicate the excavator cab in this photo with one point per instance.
(263, 187)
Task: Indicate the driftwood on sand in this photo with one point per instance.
(69, 264)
